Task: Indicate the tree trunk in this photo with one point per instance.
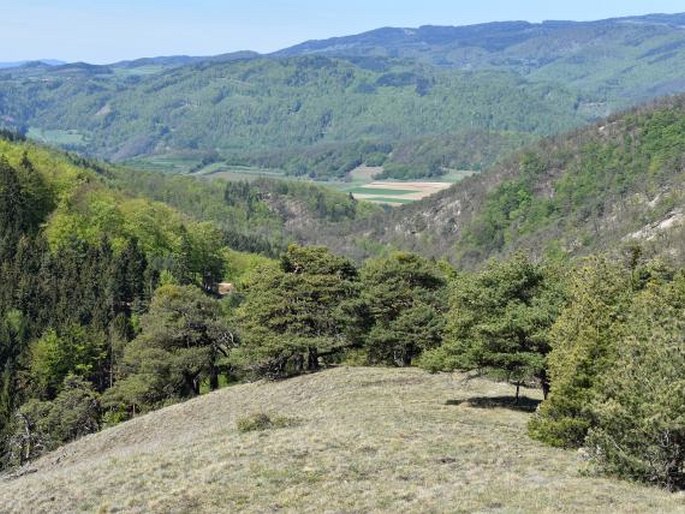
(544, 383)
(213, 378)
(27, 440)
(298, 363)
(545, 389)
(312, 359)
(518, 389)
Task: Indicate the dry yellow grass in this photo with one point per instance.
(357, 440)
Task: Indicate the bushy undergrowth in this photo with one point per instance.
(262, 421)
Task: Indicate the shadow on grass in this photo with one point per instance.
(524, 404)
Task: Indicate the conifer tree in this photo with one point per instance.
(296, 313)
(498, 322)
(405, 297)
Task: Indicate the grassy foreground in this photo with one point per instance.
(356, 440)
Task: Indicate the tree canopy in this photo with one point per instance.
(498, 322)
(297, 312)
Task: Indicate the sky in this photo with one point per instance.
(106, 31)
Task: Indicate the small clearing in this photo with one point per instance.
(365, 173)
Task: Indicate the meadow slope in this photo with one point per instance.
(359, 440)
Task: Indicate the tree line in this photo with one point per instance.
(109, 309)
(603, 340)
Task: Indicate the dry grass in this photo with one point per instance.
(366, 440)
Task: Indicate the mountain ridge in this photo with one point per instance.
(322, 112)
(429, 31)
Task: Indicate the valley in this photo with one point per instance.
(361, 182)
(429, 269)
(423, 99)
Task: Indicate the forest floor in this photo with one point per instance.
(347, 440)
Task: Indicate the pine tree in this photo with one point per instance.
(296, 313)
(405, 297)
(498, 322)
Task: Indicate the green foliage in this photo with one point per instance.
(588, 339)
(296, 313)
(74, 352)
(638, 424)
(616, 368)
(71, 302)
(584, 340)
(433, 155)
(498, 321)
(262, 216)
(42, 426)
(183, 340)
(310, 116)
(404, 296)
(593, 190)
(25, 202)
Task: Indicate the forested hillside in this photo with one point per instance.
(79, 263)
(616, 60)
(308, 115)
(112, 304)
(262, 216)
(110, 300)
(417, 101)
(615, 184)
(559, 268)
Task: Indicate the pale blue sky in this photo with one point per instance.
(103, 31)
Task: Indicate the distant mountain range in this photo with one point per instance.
(18, 64)
(607, 54)
(417, 101)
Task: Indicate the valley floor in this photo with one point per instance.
(359, 440)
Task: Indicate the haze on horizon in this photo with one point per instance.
(114, 30)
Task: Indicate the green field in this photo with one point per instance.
(249, 173)
(361, 186)
(164, 163)
(390, 200)
(57, 137)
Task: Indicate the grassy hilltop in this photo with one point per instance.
(350, 439)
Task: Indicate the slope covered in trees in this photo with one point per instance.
(79, 263)
(420, 100)
(262, 216)
(307, 115)
(109, 305)
(617, 183)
